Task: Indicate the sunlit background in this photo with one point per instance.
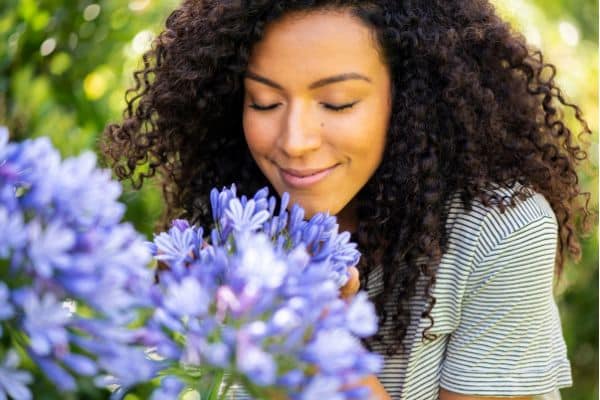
(64, 67)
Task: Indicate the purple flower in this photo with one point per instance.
(81, 364)
(36, 163)
(220, 200)
(45, 321)
(13, 382)
(170, 388)
(257, 263)
(296, 220)
(333, 350)
(50, 247)
(245, 217)
(218, 354)
(256, 330)
(256, 364)
(327, 387)
(176, 246)
(360, 317)
(126, 366)
(93, 203)
(112, 276)
(186, 298)
(284, 320)
(291, 379)
(13, 237)
(6, 308)
(56, 373)
(368, 363)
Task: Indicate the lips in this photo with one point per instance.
(305, 177)
(305, 172)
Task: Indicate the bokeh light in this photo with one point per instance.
(97, 82)
(48, 46)
(569, 33)
(91, 12)
(141, 42)
(138, 5)
(60, 63)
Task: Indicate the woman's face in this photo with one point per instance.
(316, 109)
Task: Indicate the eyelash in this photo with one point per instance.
(263, 108)
(339, 108)
(327, 106)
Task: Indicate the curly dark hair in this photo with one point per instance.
(473, 105)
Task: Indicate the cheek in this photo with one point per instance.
(360, 134)
(260, 134)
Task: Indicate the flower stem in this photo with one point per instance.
(215, 386)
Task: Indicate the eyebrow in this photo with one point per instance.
(317, 84)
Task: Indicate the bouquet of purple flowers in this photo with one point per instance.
(259, 304)
(253, 303)
(72, 276)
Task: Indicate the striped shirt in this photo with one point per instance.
(497, 326)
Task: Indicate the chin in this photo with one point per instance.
(312, 209)
(310, 206)
(309, 209)
(312, 203)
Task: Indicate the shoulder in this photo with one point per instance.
(485, 227)
(493, 257)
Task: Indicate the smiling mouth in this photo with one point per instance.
(306, 177)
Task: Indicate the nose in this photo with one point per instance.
(299, 134)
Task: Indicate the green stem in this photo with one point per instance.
(215, 386)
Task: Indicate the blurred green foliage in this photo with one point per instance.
(65, 65)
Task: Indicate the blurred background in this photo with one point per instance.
(65, 65)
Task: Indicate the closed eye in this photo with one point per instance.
(341, 107)
(263, 108)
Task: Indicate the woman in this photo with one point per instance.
(429, 128)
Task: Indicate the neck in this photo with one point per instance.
(348, 217)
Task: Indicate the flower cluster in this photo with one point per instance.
(72, 276)
(258, 300)
(254, 302)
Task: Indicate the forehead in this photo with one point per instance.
(312, 45)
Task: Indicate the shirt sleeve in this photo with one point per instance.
(508, 340)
